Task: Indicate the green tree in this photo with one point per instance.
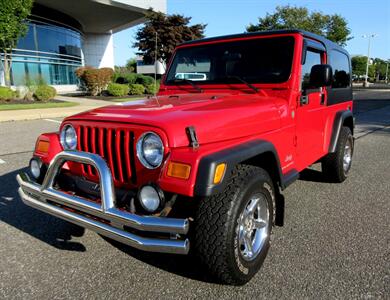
(334, 27)
(171, 30)
(13, 14)
(359, 64)
(131, 65)
(380, 68)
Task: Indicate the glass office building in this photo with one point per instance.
(64, 35)
(50, 51)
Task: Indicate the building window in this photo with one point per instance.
(47, 52)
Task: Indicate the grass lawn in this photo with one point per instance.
(18, 106)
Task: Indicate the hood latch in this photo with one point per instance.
(191, 133)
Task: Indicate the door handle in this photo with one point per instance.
(304, 100)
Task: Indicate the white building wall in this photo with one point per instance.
(98, 50)
(158, 5)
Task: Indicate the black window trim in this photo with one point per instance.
(315, 47)
(349, 68)
(339, 95)
(311, 45)
(170, 64)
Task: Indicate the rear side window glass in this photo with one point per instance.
(312, 58)
(340, 66)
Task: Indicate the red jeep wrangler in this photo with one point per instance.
(203, 162)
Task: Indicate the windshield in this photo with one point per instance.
(262, 60)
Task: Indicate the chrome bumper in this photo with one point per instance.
(44, 197)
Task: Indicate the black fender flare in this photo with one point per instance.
(204, 185)
(339, 120)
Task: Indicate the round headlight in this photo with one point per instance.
(150, 150)
(68, 137)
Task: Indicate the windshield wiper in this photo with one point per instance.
(195, 86)
(244, 82)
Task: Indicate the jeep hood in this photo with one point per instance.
(215, 117)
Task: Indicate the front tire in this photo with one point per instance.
(337, 165)
(233, 228)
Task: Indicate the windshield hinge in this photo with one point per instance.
(192, 137)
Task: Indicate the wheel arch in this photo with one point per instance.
(256, 153)
(342, 118)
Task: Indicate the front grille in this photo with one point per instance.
(116, 146)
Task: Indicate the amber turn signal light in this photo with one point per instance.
(179, 170)
(43, 146)
(219, 172)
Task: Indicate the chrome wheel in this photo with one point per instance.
(347, 159)
(253, 227)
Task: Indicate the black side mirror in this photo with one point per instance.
(321, 75)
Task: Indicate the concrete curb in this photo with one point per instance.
(35, 114)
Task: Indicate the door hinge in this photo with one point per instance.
(322, 98)
(295, 140)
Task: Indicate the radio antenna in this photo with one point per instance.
(155, 68)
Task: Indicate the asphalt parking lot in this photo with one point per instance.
(334, 244)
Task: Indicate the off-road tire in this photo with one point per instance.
(332, 163)
(215, 236)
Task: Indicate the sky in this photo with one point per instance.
(232, 16)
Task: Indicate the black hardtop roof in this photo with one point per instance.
(327, 43)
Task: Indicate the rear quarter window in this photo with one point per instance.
(341, 69)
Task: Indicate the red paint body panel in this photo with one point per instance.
(224, 116)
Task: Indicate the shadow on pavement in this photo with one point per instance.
(59, 233)
(314, 176)
(187, 266)
(51, 230)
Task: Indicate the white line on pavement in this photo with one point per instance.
(54, 121)
(2, 161)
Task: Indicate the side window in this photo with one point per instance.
(312, 58)
(340, 65)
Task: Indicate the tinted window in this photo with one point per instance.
(263, 60)
(312, 58)
(340, 66)
(58, 40)
(27, 42)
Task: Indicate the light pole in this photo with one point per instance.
(387, 71)
(369, 36)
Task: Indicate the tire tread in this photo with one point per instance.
(212, 220)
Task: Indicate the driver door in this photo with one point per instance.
(310, 112)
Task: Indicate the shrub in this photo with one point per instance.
(152, 88)
(45, 93)
(136, 89)
(30, 86)
(80, 71)
(118, 90)
(132, 78)
(122, 78)
(106, 74)
(95, 80)
(6, 94)
(144, 80)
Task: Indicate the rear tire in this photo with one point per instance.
(233, 228)
(336, 166)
